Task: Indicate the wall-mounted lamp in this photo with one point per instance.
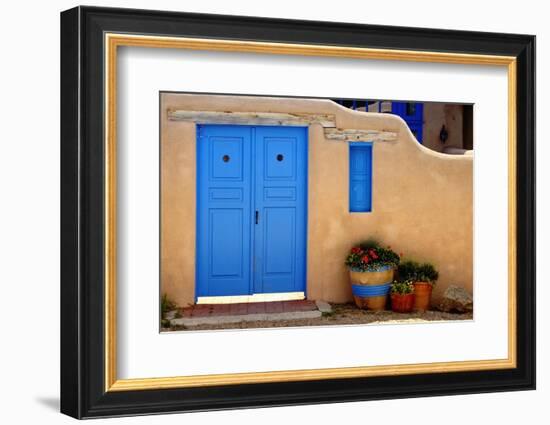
(443, 134)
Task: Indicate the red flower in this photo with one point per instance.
(373, 254)
(356, 250)
(365, 259)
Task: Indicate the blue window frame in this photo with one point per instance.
(360, 177)
(413, 114)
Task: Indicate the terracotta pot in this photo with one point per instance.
(402, 303)
(422, 295)
(370, 288)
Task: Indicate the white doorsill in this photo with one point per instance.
(255, 298)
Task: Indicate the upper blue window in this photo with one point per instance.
(413, 114)
(360, 177)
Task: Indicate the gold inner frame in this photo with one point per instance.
(113, 41)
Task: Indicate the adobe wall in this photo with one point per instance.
(422, 200)
(435, 116)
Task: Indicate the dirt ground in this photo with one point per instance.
(342, 314)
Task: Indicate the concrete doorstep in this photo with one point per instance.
(220, 320)
(322, 307)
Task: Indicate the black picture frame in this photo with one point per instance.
(83, 392)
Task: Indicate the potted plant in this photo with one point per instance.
(402, 296)
(371, 269)
(424, 277)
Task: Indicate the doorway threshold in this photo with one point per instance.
(220, 315)
(254, 298)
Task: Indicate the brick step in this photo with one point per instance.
(239, 309)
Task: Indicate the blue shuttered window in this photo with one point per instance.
(413, 114)
(360, 177)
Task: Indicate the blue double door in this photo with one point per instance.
(251, 209)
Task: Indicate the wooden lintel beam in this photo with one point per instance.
(328, 122)
(252, 118)
(350, 135)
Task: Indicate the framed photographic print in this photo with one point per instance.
(261, 212)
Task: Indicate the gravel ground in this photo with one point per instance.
(342, 314)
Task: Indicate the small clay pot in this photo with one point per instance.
(402, 303)
(422, 296)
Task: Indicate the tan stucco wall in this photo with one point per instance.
(422, 200)
(435, 116)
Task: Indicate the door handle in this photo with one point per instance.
(257, 216)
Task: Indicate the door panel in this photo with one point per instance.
(223, 210)
(226, 159)
(226, 242)
(278, 248)
(279, 157)
(251, 209)
(280, 189)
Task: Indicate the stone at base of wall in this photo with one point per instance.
(171, 315)
(323, 306)
(456, 298)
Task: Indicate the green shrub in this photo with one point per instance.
(407, 270)
(427, 273)
(167, 304)
(416, 272)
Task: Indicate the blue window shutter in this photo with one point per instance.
(413, 114)
(360, 177)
